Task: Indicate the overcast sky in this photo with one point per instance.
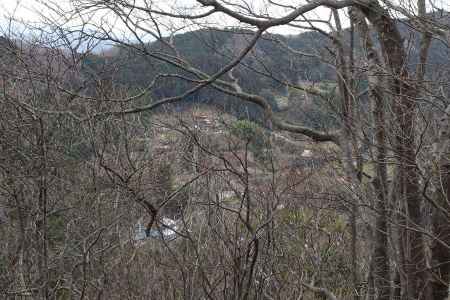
(33, 11)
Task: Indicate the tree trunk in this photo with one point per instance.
(349, 144)
(380, 256)
(441, 222)
(404, 107)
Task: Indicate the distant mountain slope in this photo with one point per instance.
(210, 49)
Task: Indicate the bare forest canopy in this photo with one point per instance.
(226, 162)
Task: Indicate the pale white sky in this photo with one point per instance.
(30, 11)
(34, 10)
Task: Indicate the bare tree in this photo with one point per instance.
(384, 93)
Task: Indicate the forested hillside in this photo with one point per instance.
(273, 61)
